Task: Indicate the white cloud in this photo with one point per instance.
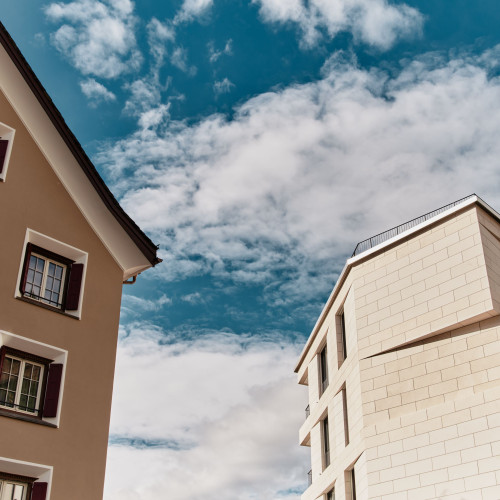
(192, 9)
(96, 36)
(193, 298)
(214, 416)
(375, 22)
(280, 192)
(223, 87)
(133, 305)
(214, 54)
(96, 92)
(179, 57)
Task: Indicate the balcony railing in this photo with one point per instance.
(308, 411)
(364, 245)
(310, 477)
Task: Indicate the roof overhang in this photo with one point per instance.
(130, 247)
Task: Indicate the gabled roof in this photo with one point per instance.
(146, 247)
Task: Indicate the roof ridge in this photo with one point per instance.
(143, 242)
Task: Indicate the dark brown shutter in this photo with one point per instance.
(52, 390)
(3, 152)
(22, 285)
(74, 285)
(39, 491)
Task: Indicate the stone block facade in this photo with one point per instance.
(407, 405)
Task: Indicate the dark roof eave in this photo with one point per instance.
(143, 242)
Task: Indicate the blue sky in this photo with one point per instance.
(257, 141)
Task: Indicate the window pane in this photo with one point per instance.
(36, 372)
(4, 380)
(58, 273)
(11, 396)
(18, 492)
(33, 388)
(52, 269)
(40, 264)
(38, 279)
(23, 402)
(13, 383)
(31, 404)
(15, 366)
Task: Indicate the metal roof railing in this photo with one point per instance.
(369, 243)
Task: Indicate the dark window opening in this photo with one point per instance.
(323, 370)
(326, 443)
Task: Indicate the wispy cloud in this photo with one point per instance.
(214, 54)
(179, 59)
(96, 92)
(209, 415)
(97, 37)
(299, 175)
(223, 86)
(193, 298)
(374, 22)
(133, 305)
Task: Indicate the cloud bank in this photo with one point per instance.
(299, 175)
(374, 22)
(206, 415)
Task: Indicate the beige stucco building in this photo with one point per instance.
(66, 248)
(403, 365)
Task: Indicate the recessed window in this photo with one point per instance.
(29, 384)
(45, 279)
(323, 370)
(20, 384)
(346, 420)
(326, 443)
(14, 487)
(331, 494)
(353, 484)
(341, 338)
(51, 279)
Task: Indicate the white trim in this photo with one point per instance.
(45, 351)
(21, 468)
(63, 249)
(8, 134)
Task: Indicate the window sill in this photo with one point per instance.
(46, 306)
(25, 418)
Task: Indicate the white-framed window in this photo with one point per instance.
(52, 274)
(31, 379)
(21, 480)
(6, 141)
(11, 489)
(45, 279)
(21, 384)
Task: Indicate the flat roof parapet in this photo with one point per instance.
(369, 243)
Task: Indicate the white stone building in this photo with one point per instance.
(403, 365)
